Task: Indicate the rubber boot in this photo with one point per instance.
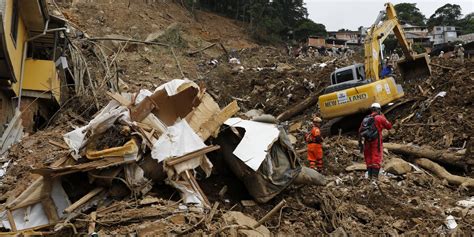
(375, 173)
(369, 173)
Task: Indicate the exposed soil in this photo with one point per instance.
(270, 80)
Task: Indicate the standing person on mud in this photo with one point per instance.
(371, 132)
(460, 53)
(315, 145)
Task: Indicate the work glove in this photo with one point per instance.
(361, 146)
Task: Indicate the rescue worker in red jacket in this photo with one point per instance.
(373, 150)
(315, 145)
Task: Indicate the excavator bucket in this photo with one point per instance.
(419, 67)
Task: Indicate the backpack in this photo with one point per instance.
(368, 130)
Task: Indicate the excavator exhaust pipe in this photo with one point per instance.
(417, 68)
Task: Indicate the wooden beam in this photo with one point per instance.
(91, 228)
(189, 156)
(83, 200)
(11, 220)
(60, 145)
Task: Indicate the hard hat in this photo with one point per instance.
(317, 119)
(376, 105)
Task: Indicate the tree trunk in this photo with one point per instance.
(299, 108)
(426, 152)
(444, 174)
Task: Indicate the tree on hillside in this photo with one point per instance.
(466, 24)
(409, 13)
(268, 20)
(448, 14)
(307, 28)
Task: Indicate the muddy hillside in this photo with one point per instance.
(177, 122)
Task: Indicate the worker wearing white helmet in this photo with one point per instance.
(315, 145)
(460, 53)
(371, 132)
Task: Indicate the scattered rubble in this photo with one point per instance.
(223, 153)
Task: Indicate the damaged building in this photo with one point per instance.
(31, 65)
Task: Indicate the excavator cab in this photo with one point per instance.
(418, 67)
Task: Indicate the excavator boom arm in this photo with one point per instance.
(378, 33)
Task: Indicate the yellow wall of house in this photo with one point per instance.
(15, 50)
(41, 76)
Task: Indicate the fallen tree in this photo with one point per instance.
(439, 171)
(426, 152)
(299, 108)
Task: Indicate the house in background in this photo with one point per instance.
(443, 34)
(350, 37)
(316, 41)
(417, 34)
(30, 44)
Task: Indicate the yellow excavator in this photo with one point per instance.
(354, 88)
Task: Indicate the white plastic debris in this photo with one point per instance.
(323, 65)
(450, 222)
(441, 94)
(178, 140)
(468, 203)
(257, 141)
(234, 61)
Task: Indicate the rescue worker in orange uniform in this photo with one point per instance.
(373, 150)
(315, 145)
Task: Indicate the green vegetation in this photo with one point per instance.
(268, 20)
(409, 13)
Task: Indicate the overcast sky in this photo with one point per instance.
(350, 14)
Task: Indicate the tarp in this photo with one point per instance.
(278, 169)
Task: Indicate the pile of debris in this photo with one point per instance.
(439, 109)
(267, 79)
(138, 140)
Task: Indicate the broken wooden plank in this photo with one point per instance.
(96, 164)
(119, 98)
(212, 213)
(91, 228)
(248, 203)
(200, 50)
(11, 220)
(441, 66)
(64, 146)
(189, 156)
(83, 199)
(12, 133)
(190, 178)
(270, 213)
